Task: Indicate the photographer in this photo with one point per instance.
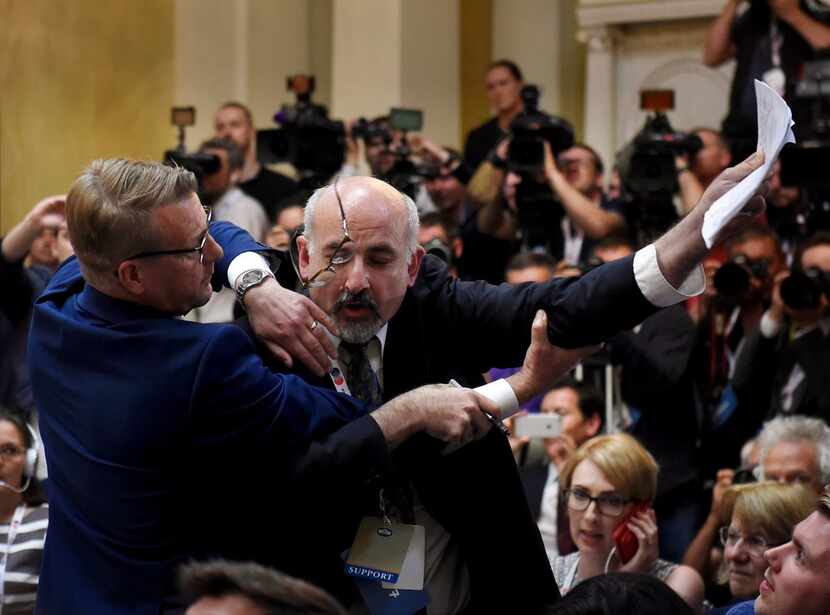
(504, 83)
(234, 121)
(219, 191)
(438, 238)
(770, 41)
(743, 289)
(785, 360)
(576, 216)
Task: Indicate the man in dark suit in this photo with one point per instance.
(169, 440)
(406, 322)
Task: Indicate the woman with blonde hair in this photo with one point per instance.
(757, 517)
(609, 485)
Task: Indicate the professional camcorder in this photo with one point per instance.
(805, 165)
(312, 142)
(539, 211)
(531, 129)
(647, 167)
(200, 164)
(406, 173)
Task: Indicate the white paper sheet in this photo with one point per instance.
(775, 122)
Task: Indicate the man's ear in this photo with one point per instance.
(593, 425)
(304, 257)
(414, 265)
(131, 278)
(457, 248)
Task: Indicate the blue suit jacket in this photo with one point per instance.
(168, 440)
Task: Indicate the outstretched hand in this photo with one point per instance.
(727, 180)
(544, 363)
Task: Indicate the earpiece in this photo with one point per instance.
(31, 455)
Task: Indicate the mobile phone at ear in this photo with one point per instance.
(624, 538)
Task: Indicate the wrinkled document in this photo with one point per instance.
(775, 128)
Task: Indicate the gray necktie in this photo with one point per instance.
(361, 378)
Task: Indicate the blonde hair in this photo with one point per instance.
(773, 509)
(108, 209)
(769, 508)
(622, 460)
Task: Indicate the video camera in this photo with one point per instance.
(406, 173)
(805, 165)
(529, 132)
(539, 211)
(198, 163)
(312, 142)
(647, 167)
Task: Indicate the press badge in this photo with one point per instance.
(412, 571)
(379, 550)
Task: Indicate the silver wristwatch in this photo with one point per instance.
(248, 279)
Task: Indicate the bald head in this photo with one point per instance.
(369, 198)
(369, 275)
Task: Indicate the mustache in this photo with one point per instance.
(361, 299)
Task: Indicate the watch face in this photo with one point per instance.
(252, 277)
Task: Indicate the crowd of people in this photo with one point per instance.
(334, 363)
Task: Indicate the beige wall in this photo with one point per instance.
(241, 50)
(79, 80)
(430, 67)
(540, 36)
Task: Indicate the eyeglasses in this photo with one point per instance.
(610, 505)
(200, 249)
(338, 257)
(755, 543)
(10, 451)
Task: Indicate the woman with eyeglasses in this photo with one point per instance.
(24, 515)
(609, 484)
(756, 517)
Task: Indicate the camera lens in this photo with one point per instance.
(801, 291)
(732, 280)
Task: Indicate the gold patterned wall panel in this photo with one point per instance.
(79, 79)
(475, 22)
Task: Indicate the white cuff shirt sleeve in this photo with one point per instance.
(500, 393)
(245, 262)
(656, 288)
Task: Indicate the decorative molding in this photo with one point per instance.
(687, 33)
(627, 12)
(599, 39)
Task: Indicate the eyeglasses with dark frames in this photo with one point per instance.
(338, 257)
(200, 249)
(607, 504)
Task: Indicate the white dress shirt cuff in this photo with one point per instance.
(656, 288)
(500, 393)
(245, 262)
(769, 326)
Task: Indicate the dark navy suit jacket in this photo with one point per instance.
(453, 329)
(168, 440)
